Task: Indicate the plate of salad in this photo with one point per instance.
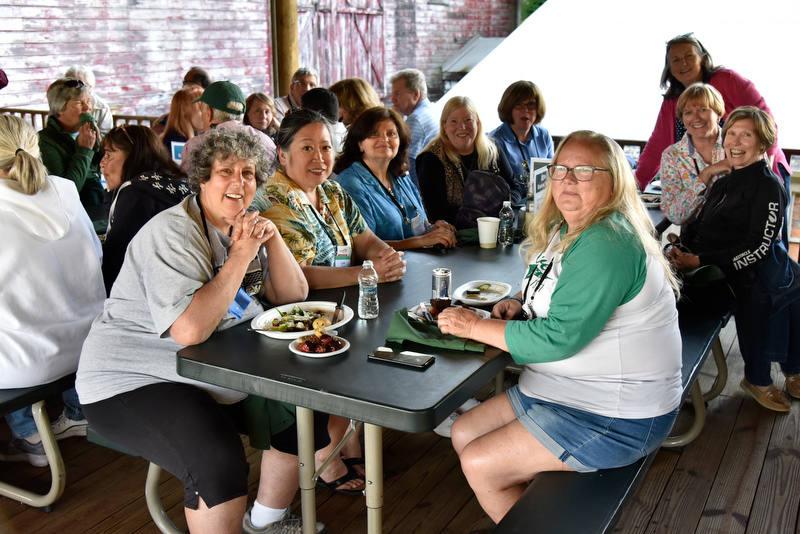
(292, 321)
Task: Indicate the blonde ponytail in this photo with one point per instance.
(19, 154)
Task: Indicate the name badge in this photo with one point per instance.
(240, 304)
(344, 254)
(418, 225)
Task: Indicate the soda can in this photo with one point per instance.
(440, 283)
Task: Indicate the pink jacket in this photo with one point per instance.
(736, 91)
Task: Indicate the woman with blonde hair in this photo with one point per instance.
(355, 96)
(595, 326)
(461, 147)
(185, 118)
(46, 230)
(260, 114)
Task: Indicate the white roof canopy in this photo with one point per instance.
(598, 63)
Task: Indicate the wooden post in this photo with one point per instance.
(286, 50)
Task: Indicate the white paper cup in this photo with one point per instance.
(487, 231)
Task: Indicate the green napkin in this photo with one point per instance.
(403, 329)
(467, 236)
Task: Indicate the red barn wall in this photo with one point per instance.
(423, 34)
(139, 50)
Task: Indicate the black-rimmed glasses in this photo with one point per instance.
(72, 83)
(582, 173)
(531, 105)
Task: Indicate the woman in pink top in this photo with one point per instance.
(687, 62)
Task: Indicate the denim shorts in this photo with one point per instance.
(585, 441)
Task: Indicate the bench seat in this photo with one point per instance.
(558, 502)
(12, 400)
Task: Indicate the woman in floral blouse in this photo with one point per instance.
(318, 220)
(690, 166)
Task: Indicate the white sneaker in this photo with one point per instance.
(444, 427)
(67, 428)
(287, 524)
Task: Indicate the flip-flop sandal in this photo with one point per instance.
(344, 479)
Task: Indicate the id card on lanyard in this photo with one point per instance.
(344, 255)
(418, 225)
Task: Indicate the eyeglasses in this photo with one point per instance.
(582, 173)
(73, 83)
(122, 127)
(674, 241)
(531, 105)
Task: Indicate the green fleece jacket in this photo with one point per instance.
(63, 157)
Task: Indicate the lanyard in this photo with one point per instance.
(326, 227)
(391, 194)
(538, 285)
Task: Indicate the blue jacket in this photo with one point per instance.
(538, 145)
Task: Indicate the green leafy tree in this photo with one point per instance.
(529, 6)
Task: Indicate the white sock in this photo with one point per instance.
(261, 516)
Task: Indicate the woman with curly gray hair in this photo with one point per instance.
(200, 266)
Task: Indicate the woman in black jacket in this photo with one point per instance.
(142, 180)
(735, 230)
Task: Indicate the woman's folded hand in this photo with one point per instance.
(389, 264)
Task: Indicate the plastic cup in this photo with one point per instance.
(487, 231)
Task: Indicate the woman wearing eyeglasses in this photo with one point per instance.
(687, 62)
(70, 144)
(143, 180)
(520, 137)
(595, 326)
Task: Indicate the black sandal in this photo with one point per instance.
(344, 479)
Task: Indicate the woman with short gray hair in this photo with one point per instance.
(200, 266)
(70, 146)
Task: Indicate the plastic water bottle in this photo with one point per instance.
(505, 235)
(367, 291)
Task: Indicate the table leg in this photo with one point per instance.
(305, 450)
(373, 447)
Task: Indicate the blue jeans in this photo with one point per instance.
(23, 426)
(764, 339)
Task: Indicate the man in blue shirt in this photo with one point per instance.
(410, 97)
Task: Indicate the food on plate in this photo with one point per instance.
(320, 325)
(319, 343)
(438, 305)
(651, 199)
(484, 291)
(297, 320)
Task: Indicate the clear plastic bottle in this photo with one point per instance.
(367, 291)
(505, 235)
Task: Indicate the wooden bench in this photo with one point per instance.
(559, 502)
(12, 400)
(152, 492)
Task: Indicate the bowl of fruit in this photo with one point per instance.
(321, 344)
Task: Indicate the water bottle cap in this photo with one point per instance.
(506, 203)
(367, 264)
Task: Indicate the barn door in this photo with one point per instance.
(343, 39)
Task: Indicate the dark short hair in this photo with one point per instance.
(521, 91)
(144, 152)
(322, 100)
(222, 143)
(362, 127)
(296, 121)
(201, 76)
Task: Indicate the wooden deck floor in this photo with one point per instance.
(741, 476)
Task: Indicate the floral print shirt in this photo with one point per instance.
(311, 235)
(681, 189)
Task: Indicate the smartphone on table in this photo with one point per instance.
(406, 358)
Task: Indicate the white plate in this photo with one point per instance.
(417, 312)
(497, 290)
(651, 200)
(265, 319)
(294, 346)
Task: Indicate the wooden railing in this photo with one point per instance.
(38, 118)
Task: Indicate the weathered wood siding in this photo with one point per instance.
(139, 50)
(423, 34)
